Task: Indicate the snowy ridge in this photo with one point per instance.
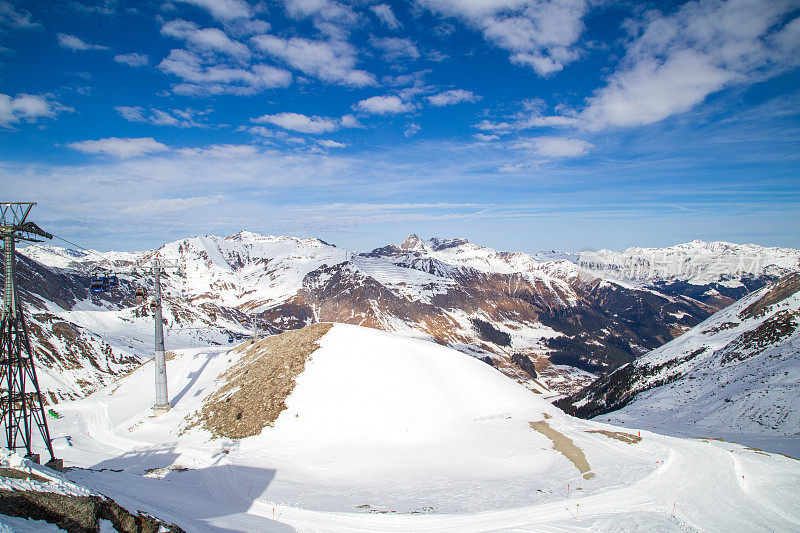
(737, 371)
(247, 269)
(697, 262)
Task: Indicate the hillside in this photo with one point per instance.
(738, 372)
(378, 431)
(548, 320)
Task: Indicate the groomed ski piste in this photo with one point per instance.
(386, 433)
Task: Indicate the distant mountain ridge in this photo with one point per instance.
(547, 317)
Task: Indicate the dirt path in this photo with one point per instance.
(565, 446)
(628, 438)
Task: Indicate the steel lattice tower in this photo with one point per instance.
(20, 398)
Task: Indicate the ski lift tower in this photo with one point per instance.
(19, 406)
(155, 268)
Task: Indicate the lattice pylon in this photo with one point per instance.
(21, 402)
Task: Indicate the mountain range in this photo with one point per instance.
(553, 321)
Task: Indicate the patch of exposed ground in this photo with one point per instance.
(785, 287)
(78, 514)
(565, 446)
(253, 393)
(769, 333)
(13, 473)
(628, 438)
(721, 327)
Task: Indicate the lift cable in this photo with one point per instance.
(78, 246)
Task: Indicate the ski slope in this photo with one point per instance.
(386, 433)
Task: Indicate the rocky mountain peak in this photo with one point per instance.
(413, 244)
(444, 244)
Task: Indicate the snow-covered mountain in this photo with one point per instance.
(551, 320)
(738, 371)
(344, 428)
(717, 273)
(83, 340)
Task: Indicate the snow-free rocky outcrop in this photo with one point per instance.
(738, 371)
(381, 432)
(550, 320)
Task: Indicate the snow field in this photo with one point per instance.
(384, 433)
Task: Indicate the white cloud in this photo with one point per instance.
(541, 34)
(212, 39)
(528, 119)
(300, 123)
(246, 27)
(518, 168)
(182, 118)
(395, 48)
(676, 61)
(386, 15)
(203, 78)
(538, 120)
(436, 56)
(329, 16)
(331, 61)
(456, 96)
(223, 10)
(531, 116)
(486, 138)
(220, 151)
(325, 9)
(654, 90)
(350, 121)
(132, 60)
(555, 147)
(327, 143)
(120, 148)
(132, 114)
(411, 129)
(27, 107)
(384, 105)
(11, 18)
(74, 43)
(497, 127)
(95, 7)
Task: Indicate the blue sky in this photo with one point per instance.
(518, 124)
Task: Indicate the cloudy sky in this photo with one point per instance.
(518, 124)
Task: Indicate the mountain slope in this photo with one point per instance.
(738, 371)
(382, 432)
